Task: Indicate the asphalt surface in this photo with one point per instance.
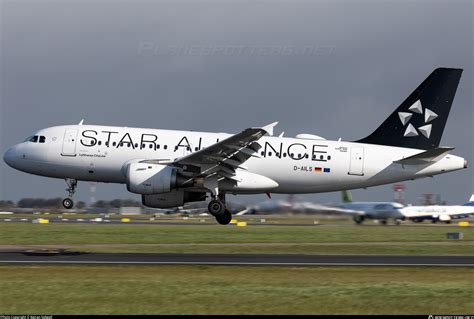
(52, 257)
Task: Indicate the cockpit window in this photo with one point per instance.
(36, 139)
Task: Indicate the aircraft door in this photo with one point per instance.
(69, 143)
(356, 166)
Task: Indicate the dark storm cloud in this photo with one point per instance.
(332, 68)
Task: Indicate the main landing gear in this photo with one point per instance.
(217, 205)
(217, 209)
(68, 203)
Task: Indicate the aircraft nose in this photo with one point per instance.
(9, 156)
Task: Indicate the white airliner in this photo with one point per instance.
(437, 213)
(169, 168)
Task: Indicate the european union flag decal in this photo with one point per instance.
(327, 170)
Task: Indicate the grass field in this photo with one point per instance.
(235, 290)
(342, 239)
(106, 289)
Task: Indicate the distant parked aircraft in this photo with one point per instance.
(291, 205)
(437, 213)
(382, 211)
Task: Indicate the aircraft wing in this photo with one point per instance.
(224, 157)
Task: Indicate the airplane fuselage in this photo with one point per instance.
(100, 154)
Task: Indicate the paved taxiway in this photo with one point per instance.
(232, 259)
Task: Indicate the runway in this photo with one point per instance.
(47, 257)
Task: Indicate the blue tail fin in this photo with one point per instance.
(470, 202)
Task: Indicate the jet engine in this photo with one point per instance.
(445, 218)
(149, 178)
(174, 198)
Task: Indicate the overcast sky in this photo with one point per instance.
(331, 68)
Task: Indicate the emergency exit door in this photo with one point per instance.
(356, 166)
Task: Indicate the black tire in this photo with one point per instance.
(225, 218)
(216, 208)
(358, 219)
(68, 203)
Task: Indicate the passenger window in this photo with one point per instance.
(321, 157)
(269, 153)
(196, 149)
(151, 146)
(99, 143)
(136, 145)
(329, 157)
(42, 139)
(158, 146)
(165, 147)
(114, 143)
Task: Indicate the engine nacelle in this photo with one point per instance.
(174, 198)
(444, 218)
(145, 178)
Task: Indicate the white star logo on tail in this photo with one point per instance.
(405, 117)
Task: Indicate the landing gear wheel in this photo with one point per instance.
(71, 189)
(68, 203)
(225, 218)
(216, 207)
(358, 219)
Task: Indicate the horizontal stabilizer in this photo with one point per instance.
(425, 157)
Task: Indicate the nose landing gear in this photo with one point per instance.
(68, 203)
